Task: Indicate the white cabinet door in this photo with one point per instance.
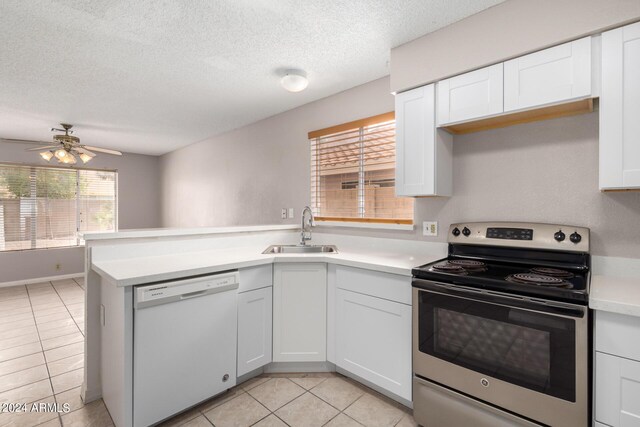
(373, 340)
(617, 387)
(620, 109)
(300, 312)
(254, 329)
(553, 75)
(470, 96)
(423, 153)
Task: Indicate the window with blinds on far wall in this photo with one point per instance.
(47, 207)
(353, 173)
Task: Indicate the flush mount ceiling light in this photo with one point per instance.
(294, 80)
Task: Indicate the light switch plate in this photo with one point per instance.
(290, 212)
(430, 228)
(283, 215)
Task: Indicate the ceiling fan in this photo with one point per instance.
(66, 148)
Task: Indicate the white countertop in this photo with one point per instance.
(139, 270)
(615, 294)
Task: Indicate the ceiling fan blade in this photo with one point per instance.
(85, 151)
(102, 150)
(26, 141)
(42, 148)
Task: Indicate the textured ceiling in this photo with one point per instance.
(149, 76)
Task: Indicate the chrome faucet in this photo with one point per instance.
(305, 231)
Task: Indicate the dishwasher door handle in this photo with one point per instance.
(193, 294)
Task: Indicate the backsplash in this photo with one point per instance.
(536, 172)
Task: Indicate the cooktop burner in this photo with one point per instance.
(460, 266)
(553, 272)
(449, 268)
(537, 279)
(468, 264)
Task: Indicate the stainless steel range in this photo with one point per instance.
(501, 329)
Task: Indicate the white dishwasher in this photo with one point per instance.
(184, 344)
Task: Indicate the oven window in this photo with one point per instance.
(530, 349)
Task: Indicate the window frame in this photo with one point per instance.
(79, 239)
(358, 222)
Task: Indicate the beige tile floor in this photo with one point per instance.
(41, 362)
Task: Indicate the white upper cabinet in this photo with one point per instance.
(470, 96)
(620, 109)
(558, 74)
(423, 153)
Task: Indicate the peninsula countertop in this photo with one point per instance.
(139, 270)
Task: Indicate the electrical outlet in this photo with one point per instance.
(283, 214)
(58, 267)
(430, 228)
(290, 212)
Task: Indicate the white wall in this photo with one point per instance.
(501, 32)
(138, 207)
(541, 172)
(246, 176)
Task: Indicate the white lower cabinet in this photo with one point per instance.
(300, 312)
(254, 329)
(371, 332)
(617, 391)
(373, 340)
(617, 370)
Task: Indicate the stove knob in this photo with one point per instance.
(559, 236)
(455, 231)
(466, 231)
(575, 237)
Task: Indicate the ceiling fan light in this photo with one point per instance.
(294, 81)
(61, 154)
(47, 155)
(85, 157)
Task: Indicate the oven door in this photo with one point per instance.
(527, 356)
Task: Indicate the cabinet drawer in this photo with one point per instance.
(617, 334)
(470, 96)
(257, 277)
(374, 283)
(617, 388)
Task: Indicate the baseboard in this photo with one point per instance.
(403, 401)
(297, 367)
(41, 279)
(89, 395)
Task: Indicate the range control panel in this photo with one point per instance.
(510, 233)
(523, 235)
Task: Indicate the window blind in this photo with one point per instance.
(353, 173)
(46, 207)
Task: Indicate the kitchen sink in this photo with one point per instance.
(300, 249)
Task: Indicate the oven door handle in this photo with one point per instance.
(482, 295)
